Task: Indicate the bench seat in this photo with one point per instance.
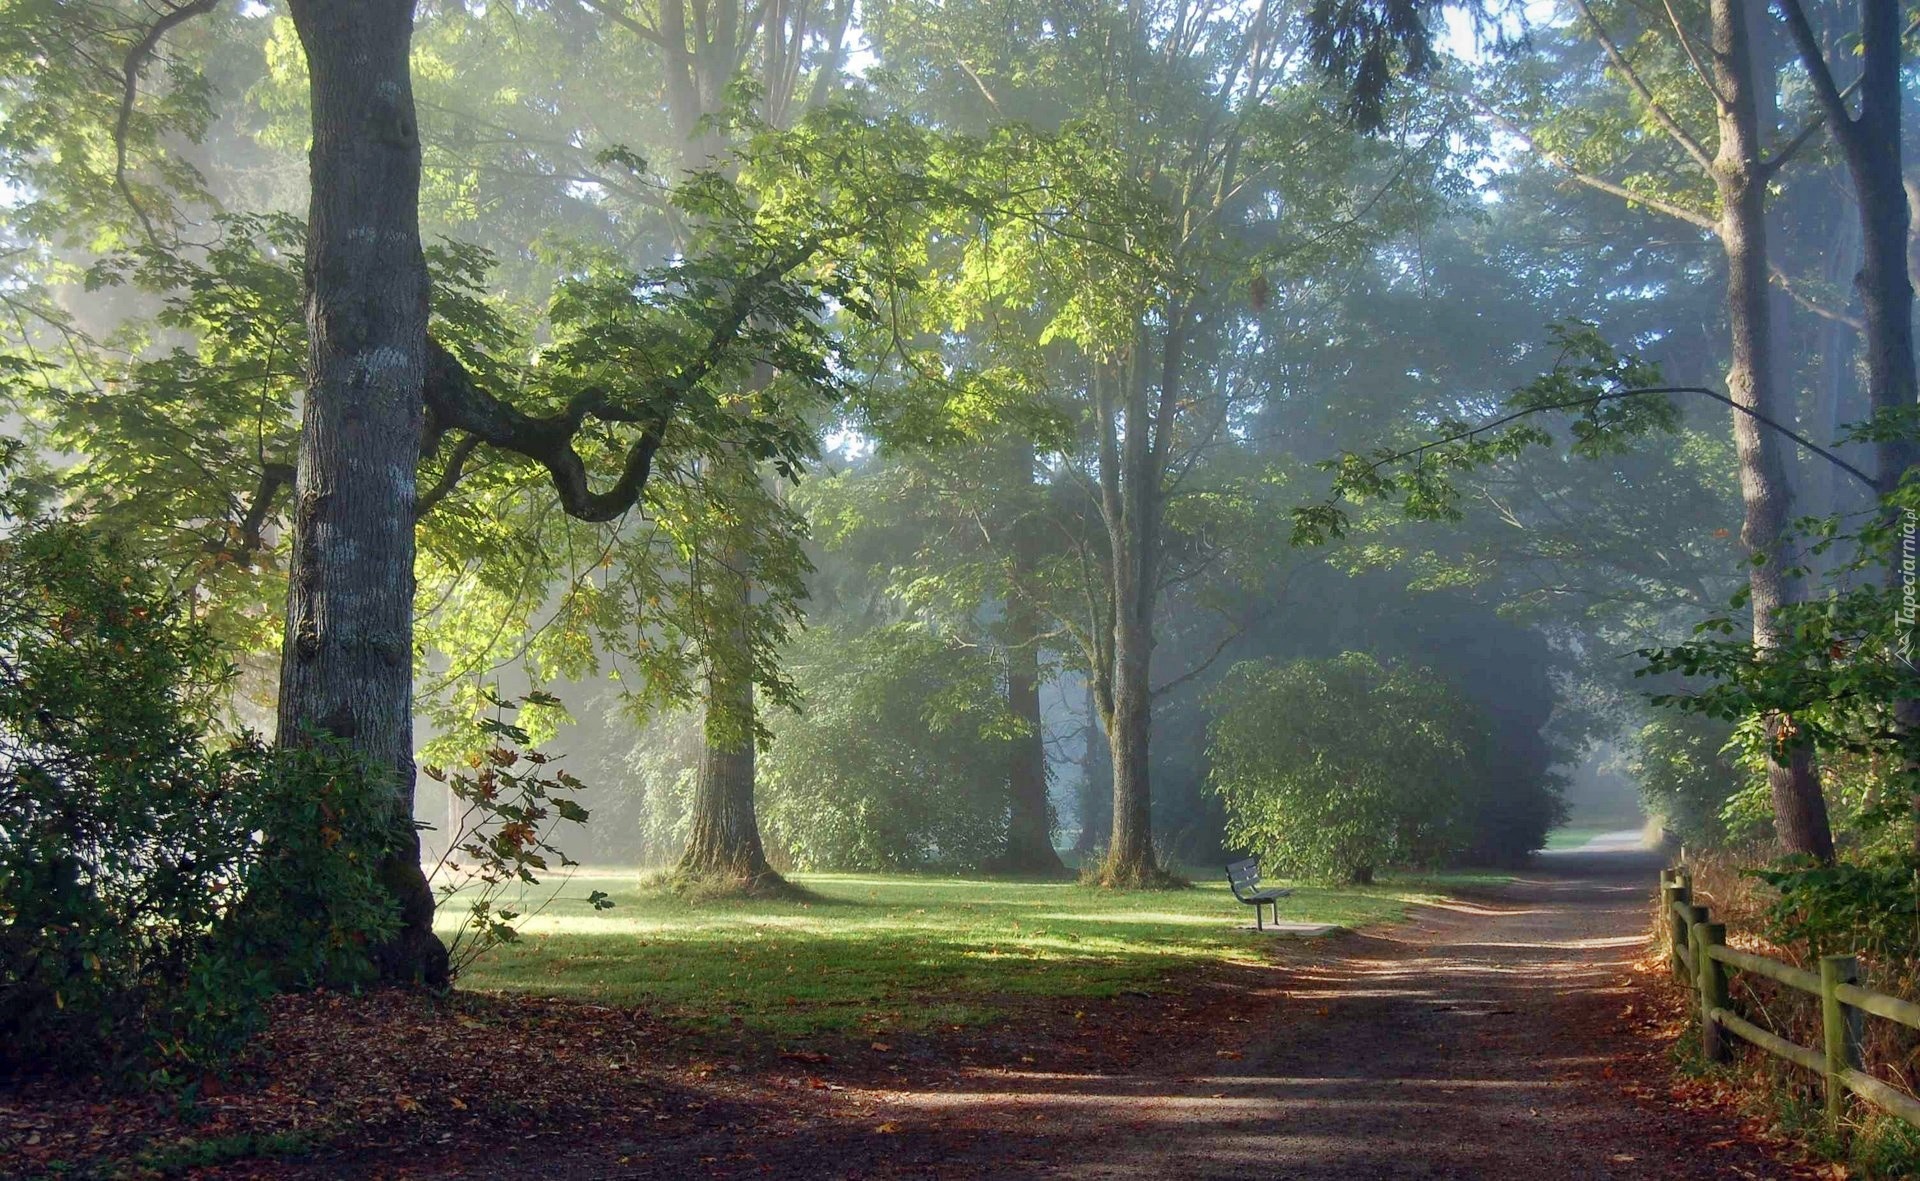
(1244, 877)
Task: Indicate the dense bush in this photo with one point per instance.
(1872, 910)
(1687, 775)
(153, 890)
(897, 757)
(1333, 768)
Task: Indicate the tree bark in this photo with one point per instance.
(1096, 791)
(1740, 176)
(347, 660)
(1130, 486)
(1029, 821)
(724, 841)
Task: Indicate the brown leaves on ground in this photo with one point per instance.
(400, 1084)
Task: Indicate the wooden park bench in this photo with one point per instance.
(1244, 877)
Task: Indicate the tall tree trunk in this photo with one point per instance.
(1130, 487)
(1800, 812)
(1873, 152)
(347, 662)
(1130, 859)
(704, 57)
(725, 838)
(1096, 785)
(1029, 822)
(1872, 148)
(1835, 381)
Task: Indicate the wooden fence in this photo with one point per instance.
(1700, 956)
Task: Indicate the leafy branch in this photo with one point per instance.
(1618, 399)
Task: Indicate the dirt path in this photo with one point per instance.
(1488, 1038)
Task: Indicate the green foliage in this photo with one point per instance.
(1615, 399)
(510, 801)
(1832, 680)
(1870, 909)
(1333, 768)
(154, 892)
(897, 757)
(1687, 776)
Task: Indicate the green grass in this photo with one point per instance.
(910, 951)
(1575, 836)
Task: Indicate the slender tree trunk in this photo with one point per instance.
(725, 833)
(1886, 291)
(347, 662)
(1828, 414)
(725, 838)
(1130, 859)
(1029, 821)
(1096, 789)
(1800, 812)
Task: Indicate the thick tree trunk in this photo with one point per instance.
(347, 660)
(724, 842)
(1800, 812)
(1029, 821)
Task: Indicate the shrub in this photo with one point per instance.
(154, 891)
(1687, 774)
(510, 799)
(1870, 909)
(1332, 768)
(897, 758)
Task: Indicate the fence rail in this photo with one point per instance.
(1701, 958)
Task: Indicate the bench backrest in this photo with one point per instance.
(1244, 874)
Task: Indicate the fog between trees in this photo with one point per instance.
(900, 434)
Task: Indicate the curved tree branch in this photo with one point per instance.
(131, 68)
(454, 401)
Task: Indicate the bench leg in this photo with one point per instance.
(1257, 921)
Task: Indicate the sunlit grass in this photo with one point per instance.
(907, 951)
(1577, 836)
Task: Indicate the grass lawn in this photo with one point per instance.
(1575, 836)
(910, 950)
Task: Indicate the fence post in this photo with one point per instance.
(1840, 1025)
(1712, 976)
(1677, 887)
